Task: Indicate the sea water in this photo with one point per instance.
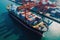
(11, 30)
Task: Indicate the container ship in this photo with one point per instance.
(28, 19)
(31, 20)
